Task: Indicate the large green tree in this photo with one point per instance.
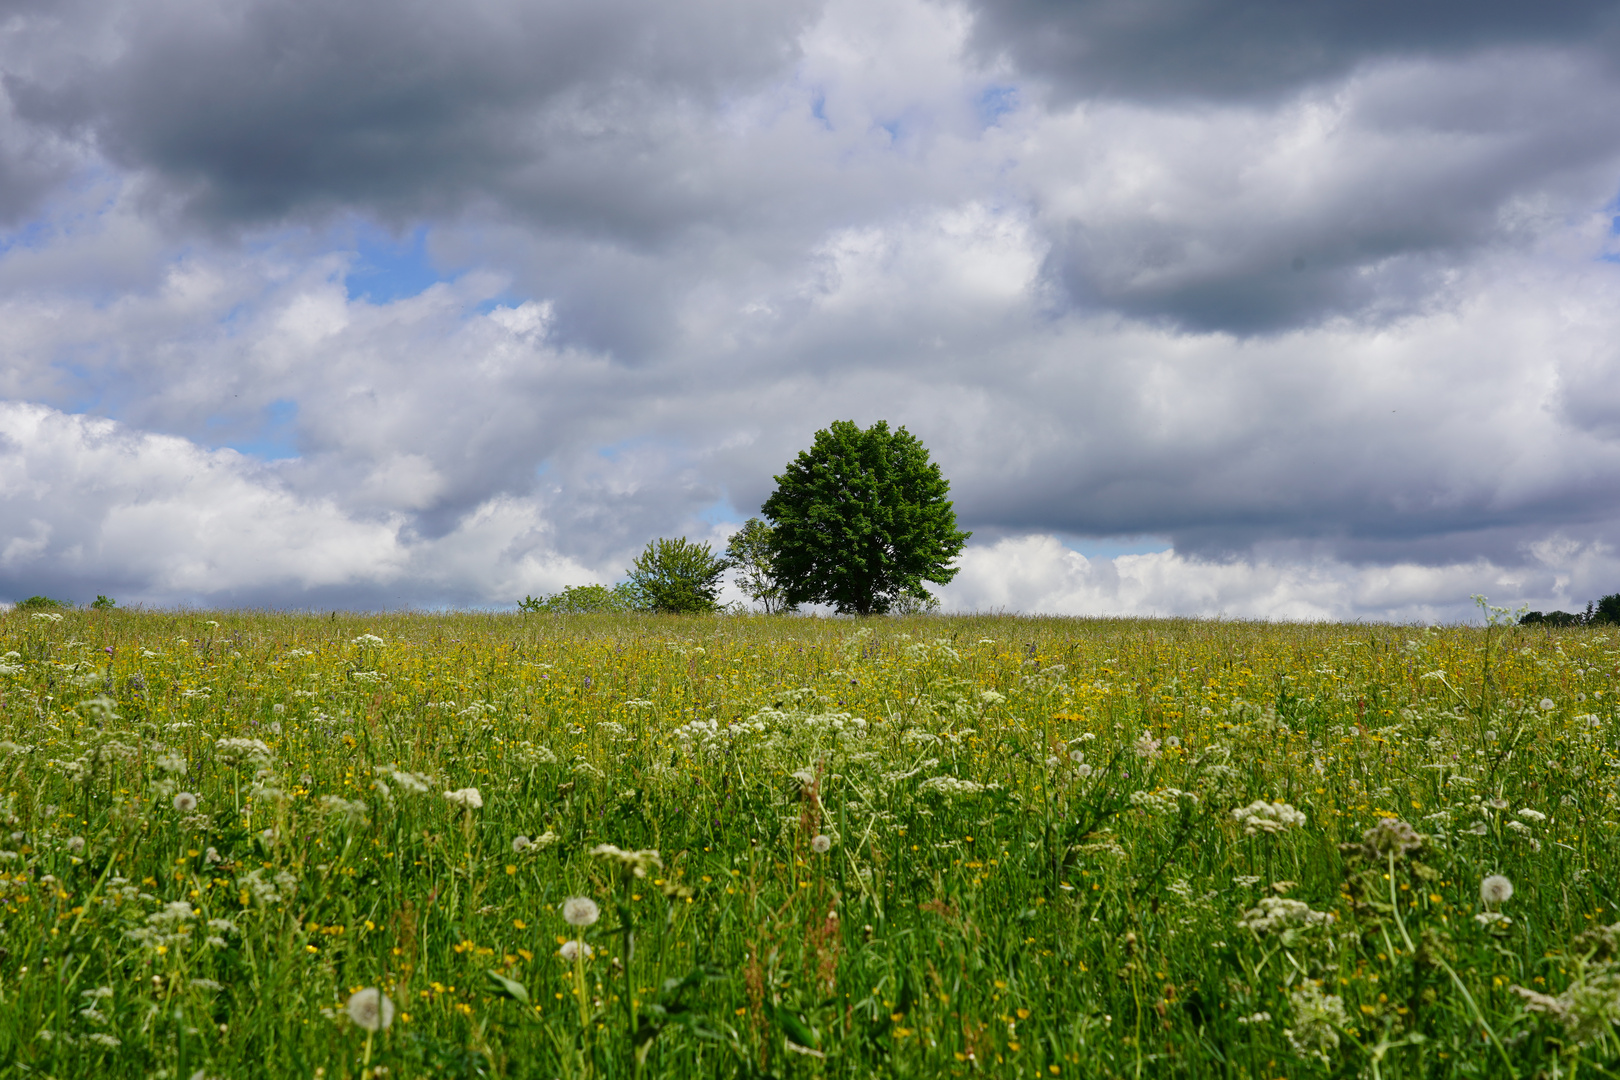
(860, 520)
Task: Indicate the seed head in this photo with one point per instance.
(185, 802)
(1496, 889)
(370, 1009)
(821, 844)
(580, 911)
(572, 950)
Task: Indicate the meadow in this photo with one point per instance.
(248, 844)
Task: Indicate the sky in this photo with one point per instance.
(1285, 309)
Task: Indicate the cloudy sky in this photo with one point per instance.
(1263, 308)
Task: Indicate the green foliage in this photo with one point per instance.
(967, 846)
(103, 603)
(583, 600)
(861, 520)
(1608, 609)
(43, 603)
(676, 577)
(751, 552)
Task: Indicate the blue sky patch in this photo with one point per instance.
(1111, 547)
(275, 438)
(391, 268)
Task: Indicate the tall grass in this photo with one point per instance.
(929, 847)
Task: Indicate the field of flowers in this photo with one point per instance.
(261, 844)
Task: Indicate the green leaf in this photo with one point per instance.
(505, 987)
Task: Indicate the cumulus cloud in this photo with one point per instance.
(1337, 322)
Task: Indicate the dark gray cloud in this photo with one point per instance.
(1360, 201)
(1201, 50)
(256, 110)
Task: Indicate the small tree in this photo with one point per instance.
(861, 520)
(1608, 610)
(676, 576)
(582, 600)
(751, 553)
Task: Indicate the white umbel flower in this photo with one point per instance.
(467, 796)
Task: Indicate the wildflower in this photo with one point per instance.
(1391, 836)
(1276, 913)
(631, 862)
(371, 1009)
(185, 802)
(821, 844)
(1147, 747)
(950, 787)
(75, 844)
(467, 796)
(1495, 889)
(1263, 817)
(580, 911)
(172, 763)
(1317, 1018)
(573, 950)
(1489, 919)
(1532, 815)
(1547, 704)
(520, 844)
(368, 641)
(242, 750)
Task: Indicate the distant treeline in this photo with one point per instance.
(1605, 611)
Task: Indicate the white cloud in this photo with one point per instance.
(1347, 342)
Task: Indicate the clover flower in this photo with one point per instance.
(580, 911)
(371, 1009)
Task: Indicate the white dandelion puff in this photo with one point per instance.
(821, 844)
(185, 802)
(580, 911)
(370, 1008)
(573, 950)
(1496, 889)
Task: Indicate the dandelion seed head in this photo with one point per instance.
(185, 802)
(1496, 889)
(580, 911)
(371, 1009)
(1547, 704)
(572, 950)
(821, 844)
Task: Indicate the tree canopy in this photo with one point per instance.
(860, 520)
(752, 554)
(676, 576)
